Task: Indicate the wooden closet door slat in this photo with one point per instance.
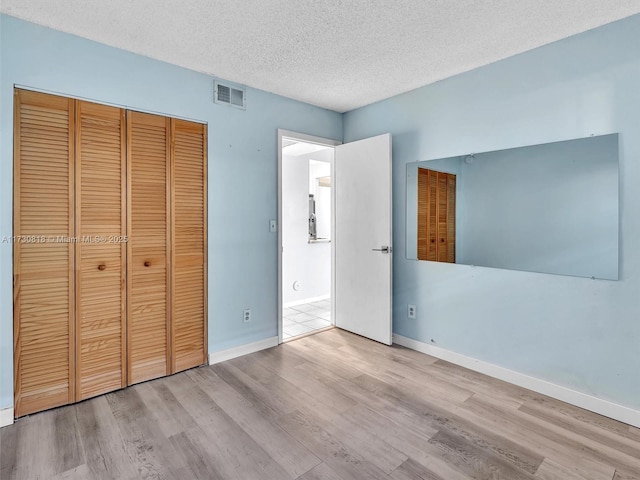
(43, 260)
(149, 228)
(189, 254)
(451, 218)
(423, 214)
(432, 222)
(100, 249)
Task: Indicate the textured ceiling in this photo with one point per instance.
(338, 54)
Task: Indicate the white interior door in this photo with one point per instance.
(363, 258)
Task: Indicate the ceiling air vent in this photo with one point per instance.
(233, 96)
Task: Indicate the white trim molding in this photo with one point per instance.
(6, 417)
(579, 399)
(240, 350)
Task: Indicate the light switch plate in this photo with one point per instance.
(273, 226)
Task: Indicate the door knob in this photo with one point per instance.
(102, 267)
(383, 249)
(147, 263)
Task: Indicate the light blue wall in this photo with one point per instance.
(242, 166)
(580, 333)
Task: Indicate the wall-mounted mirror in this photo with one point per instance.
(550, 208)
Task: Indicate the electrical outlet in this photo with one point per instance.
(411, 311)
(273, 226)
(246, 316)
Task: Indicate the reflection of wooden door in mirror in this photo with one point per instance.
(436, 216)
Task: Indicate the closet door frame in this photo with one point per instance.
(205, 234)
(73, 252)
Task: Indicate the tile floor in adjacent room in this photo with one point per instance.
(305, 318)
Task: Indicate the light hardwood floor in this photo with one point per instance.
(328, 406)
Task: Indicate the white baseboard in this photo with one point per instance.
(223, 355)
(6, 417)
(306, 300)
(579, 399)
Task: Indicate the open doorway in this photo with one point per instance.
(305, 233)
(360, 236)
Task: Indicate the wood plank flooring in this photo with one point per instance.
(329, 406)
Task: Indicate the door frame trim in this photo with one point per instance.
(327, 142)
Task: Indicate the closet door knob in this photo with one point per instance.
(102, 267)
(147, 263)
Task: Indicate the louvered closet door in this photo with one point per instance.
(100, 249)
(189, 326)
(149, 229)
(43, 259)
